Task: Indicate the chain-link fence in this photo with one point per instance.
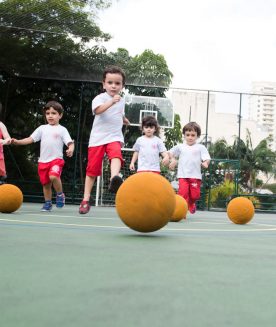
(231, 129)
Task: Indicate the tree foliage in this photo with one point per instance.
(173, 136)
(46, 54)
(252, 160)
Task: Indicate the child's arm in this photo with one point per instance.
(103, 107)
(26, 141)
(205, 163)
(166, 158)
(6, 136)
(133, 160)
(70, 150)
(173, 161)
(126, 121)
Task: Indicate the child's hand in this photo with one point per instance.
(116, 98)
(126, 121)
(204, 164)
(6, 141)
(172, 164)
(166, 161)
(14, 141)
(132, 166)
(69, 152)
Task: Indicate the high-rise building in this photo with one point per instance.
(262, 108)
(192, 106)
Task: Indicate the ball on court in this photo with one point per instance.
(11, 198)
(240, 210)
(181, 209)
(145, 202)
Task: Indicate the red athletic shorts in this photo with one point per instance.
(189, 188)
(47, 169)
(2, 167)
(96, 155)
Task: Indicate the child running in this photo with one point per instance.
(5, 139)
(148, 148)
(50, 163)
(191, 156)
(106, 134)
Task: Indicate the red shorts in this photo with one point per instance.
(96, 155)
(189, 189)
(47, 169)
(2, 167)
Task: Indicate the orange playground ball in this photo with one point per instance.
(181, 209)
(11, 198)
(145, 202)
(240, 210)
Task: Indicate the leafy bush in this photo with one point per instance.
(221, 194)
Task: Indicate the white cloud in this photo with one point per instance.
(208, 44)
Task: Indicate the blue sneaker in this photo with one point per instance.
(47, 207)
(60, 200)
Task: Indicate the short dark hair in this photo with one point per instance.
(114, 70)
(192, 126)
(150, 121)
(55, 105)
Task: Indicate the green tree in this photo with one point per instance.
(252, 160)
(221, 150)
(173, 135)
(151, 72)
(45, 54)
(48, 38)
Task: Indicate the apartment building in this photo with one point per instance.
(262, 108)
(192, 106)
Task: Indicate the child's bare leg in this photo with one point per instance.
(57, 185)
(89, 183)
(56, 182)
(115, 179)
(115, 167)
(85, 206)
(47, 191)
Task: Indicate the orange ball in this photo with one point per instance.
(11, 198)
(240, 210)
(145, 202)
(181, 209)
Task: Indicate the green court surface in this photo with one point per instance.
(64, 269)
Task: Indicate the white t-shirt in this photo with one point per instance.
(52, 138)
(190, 158)
(107, 127)
(148, 149)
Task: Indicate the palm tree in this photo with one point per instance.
(253, 160)
(221, 150)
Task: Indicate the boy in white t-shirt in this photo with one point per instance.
(147, 148)
(106, 134)
(53, 136)
(192, 156)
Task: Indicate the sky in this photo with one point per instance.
(207, 44)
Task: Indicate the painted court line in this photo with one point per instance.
(30, 213)
(123, 227)
(59, 224)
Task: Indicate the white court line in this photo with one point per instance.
(123, 227)
(227, 223)
(30, 213)
(59, 224)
